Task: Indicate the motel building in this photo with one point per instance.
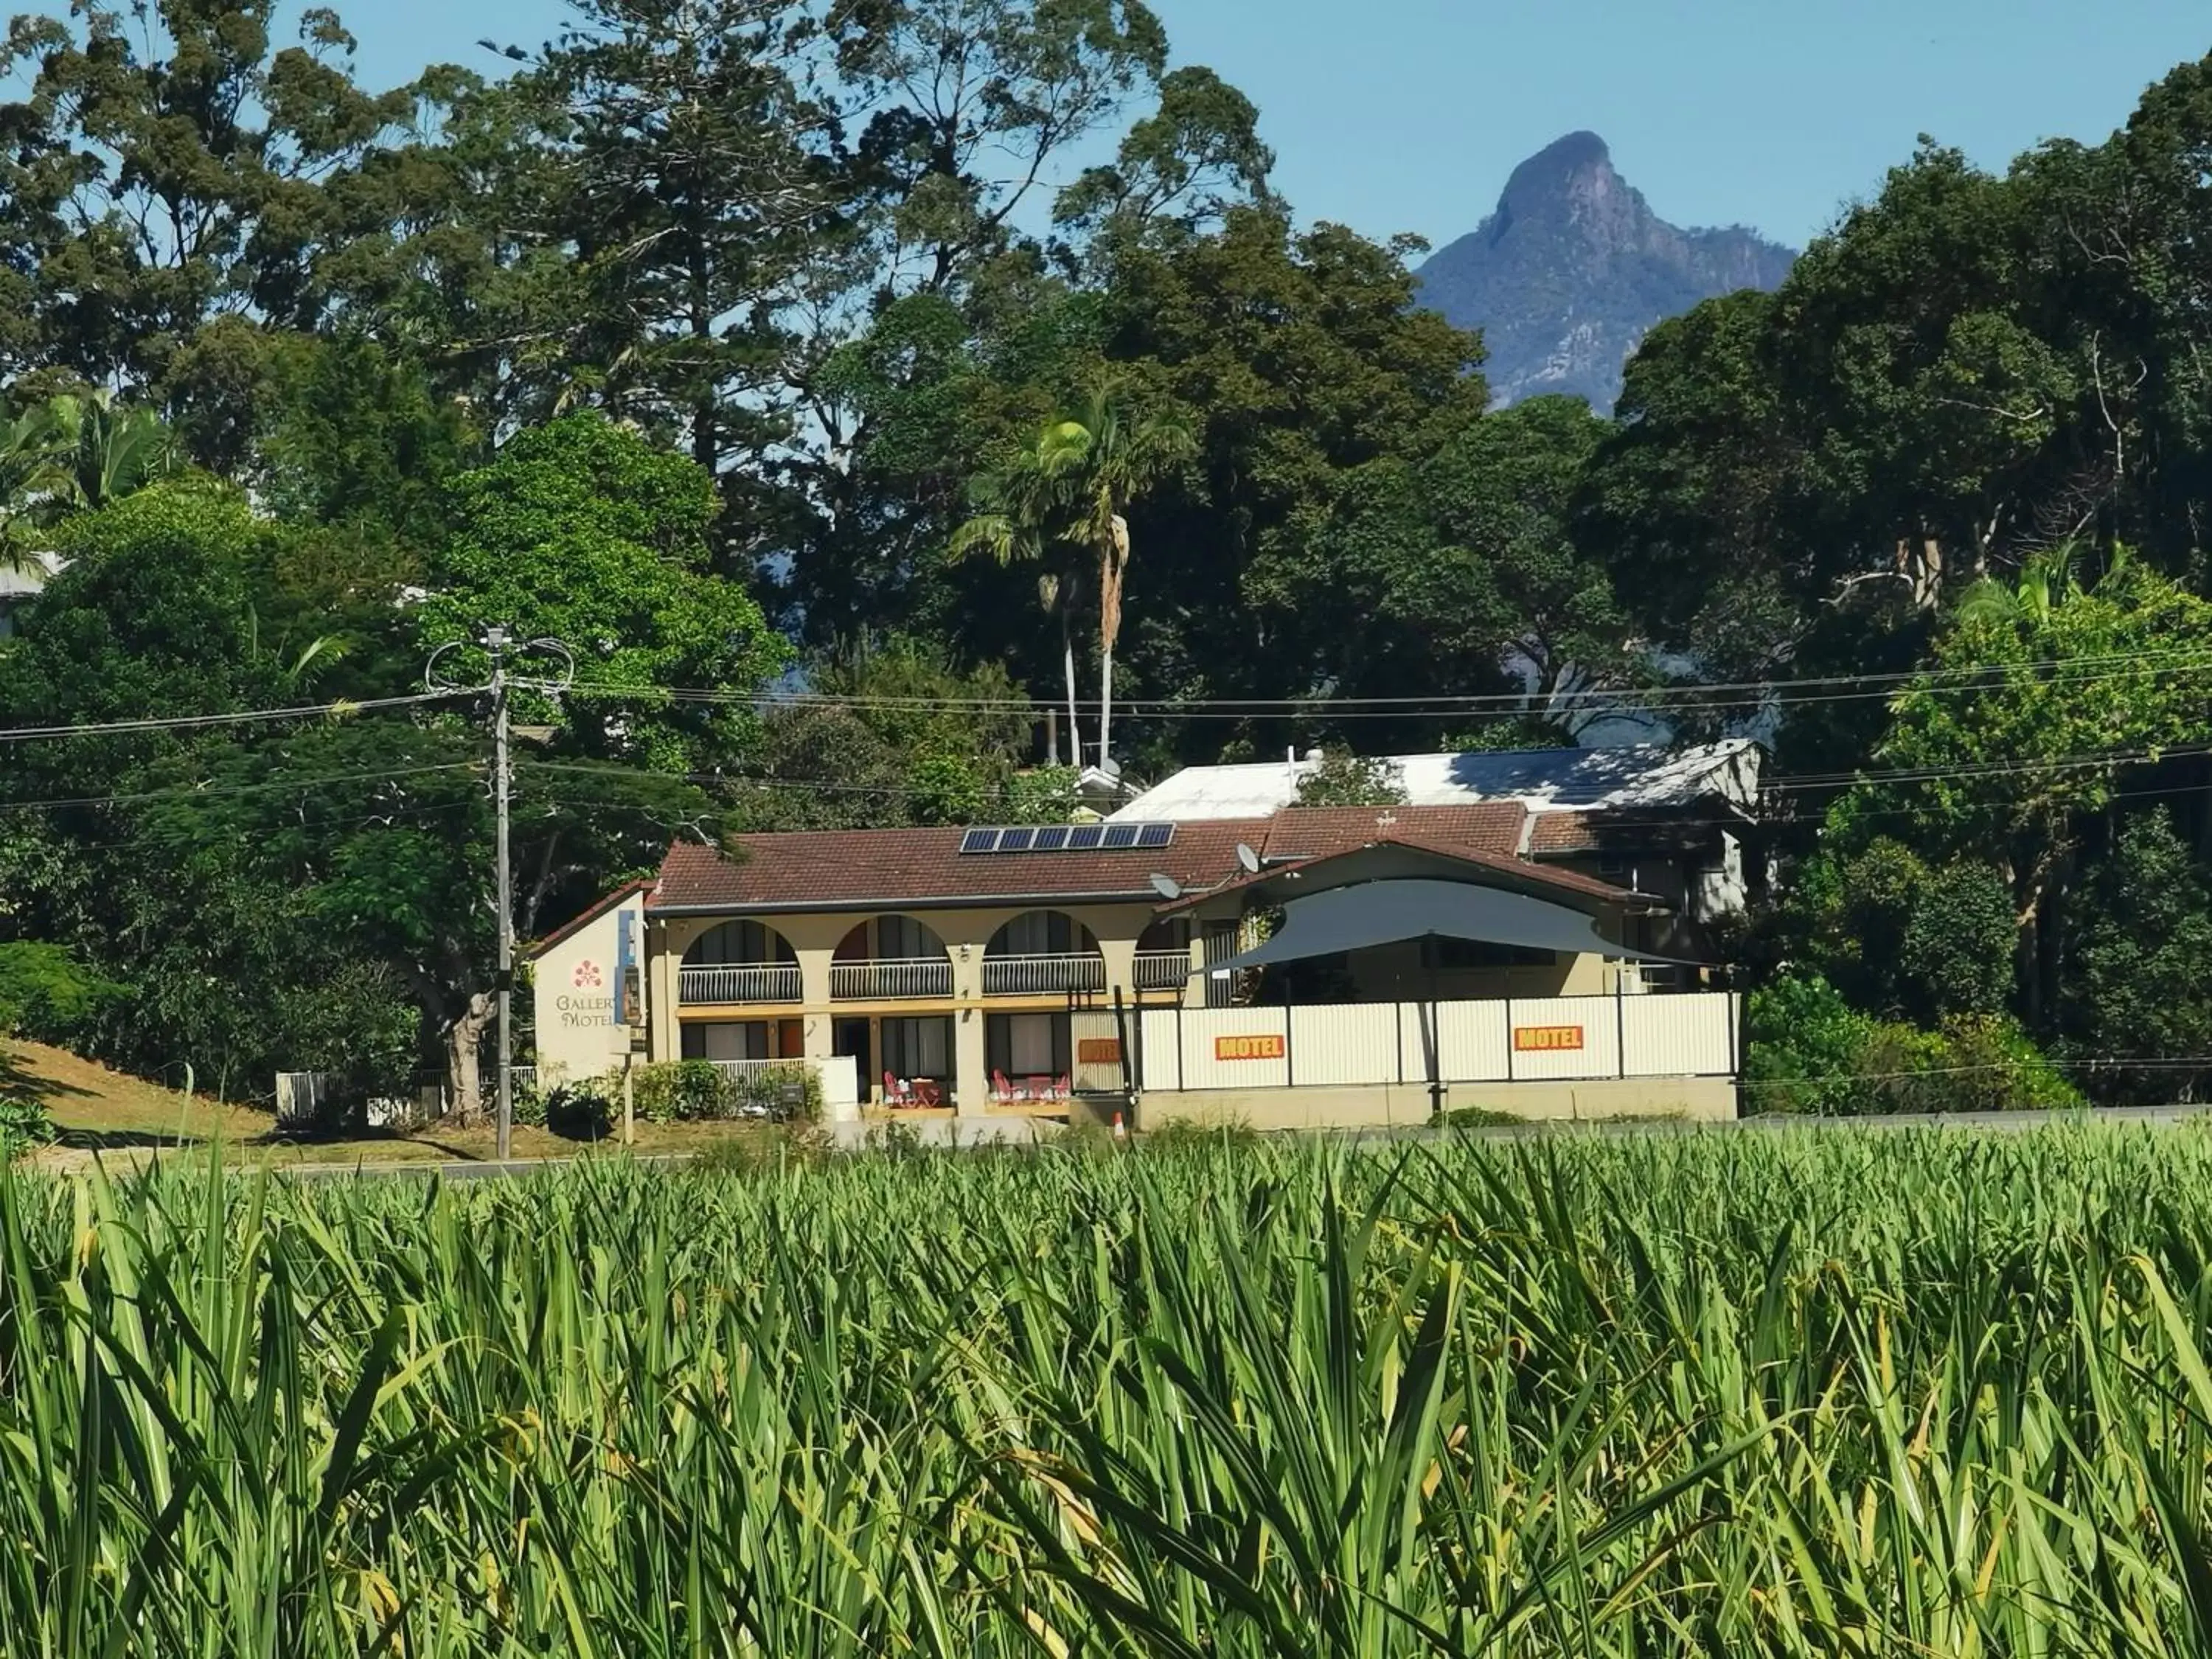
(1312, 968)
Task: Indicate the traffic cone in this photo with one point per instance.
(1121, 1131)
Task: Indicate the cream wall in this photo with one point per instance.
(814, 937)
(1695, 1099)
(572, 992)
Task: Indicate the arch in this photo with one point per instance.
(891, 937)
(740, 944)
(1042, 933)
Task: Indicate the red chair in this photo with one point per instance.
(1063, 1090)
(897, 1091)
(1001, 1090)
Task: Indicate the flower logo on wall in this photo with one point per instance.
(587, 976)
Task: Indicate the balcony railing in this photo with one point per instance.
(894, 978)
(1162, 971)
(771, 981)
(1040, 976)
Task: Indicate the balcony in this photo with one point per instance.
(1043, 976)
(892, 979)
(767, 981)
(1162, 971)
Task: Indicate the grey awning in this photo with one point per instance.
(1372, 913)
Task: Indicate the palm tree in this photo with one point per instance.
(1105, 460)
(31, 474)
(110, 450)
(1022, 511)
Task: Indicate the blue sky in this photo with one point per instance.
(1394, 115)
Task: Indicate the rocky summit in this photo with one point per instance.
(1573, 268)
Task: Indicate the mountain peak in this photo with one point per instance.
(1558, 162)
(1573, 268)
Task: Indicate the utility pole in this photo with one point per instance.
(495, 643)
(498, 643)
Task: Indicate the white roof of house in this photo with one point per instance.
(1545, 779)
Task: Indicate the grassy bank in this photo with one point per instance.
(1814, 1394)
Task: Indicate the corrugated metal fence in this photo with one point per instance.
(1524, 1040)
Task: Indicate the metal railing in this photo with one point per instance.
(768, 981)
(1038, 976)
(892, 978)
(797, 1067)
(1162, 971)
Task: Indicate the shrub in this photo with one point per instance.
(584, 1110)
(24, 1126)
(1804, 1045)
(1810, 1051)
(529, 1102)
(698, 1090)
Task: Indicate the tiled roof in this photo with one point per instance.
(1313, 831)
(1563, 832)
(866, 869)
(827, 869)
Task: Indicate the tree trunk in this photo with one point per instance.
(1112, 567)
(1068, 660)
(464, 1041)
(1105, 706)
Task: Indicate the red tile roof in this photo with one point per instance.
(1315, 831)
(830, 869)
(1563, 832)
(869, 869)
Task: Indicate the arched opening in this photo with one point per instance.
(735, 962)
(1163, 955)
(1043, 953)
(894, 959)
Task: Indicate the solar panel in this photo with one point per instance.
(1155, 834)
(979, 841)
(1050, 838)
(1120, 835)
(1015, 841)
(1084, 836)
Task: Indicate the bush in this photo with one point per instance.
(1811, 1052)
(700, 1091)
(1804, 1045)
(24, 1127)
(529, 1102)
(582, 1112)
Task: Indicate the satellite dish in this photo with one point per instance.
(1167, 887)
(1248, 859)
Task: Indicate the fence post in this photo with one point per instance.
(1619, 1028)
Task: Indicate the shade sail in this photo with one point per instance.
(1373, 912)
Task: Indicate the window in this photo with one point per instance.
(1171, 935)
(1038, 933)
(1027, 1045)
(902, 938)
(732, 1039)
(1451, 954)
(738, 943)
(918, 1047)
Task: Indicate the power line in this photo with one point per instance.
(199, 791)
(339, 709)
(1956, 680)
